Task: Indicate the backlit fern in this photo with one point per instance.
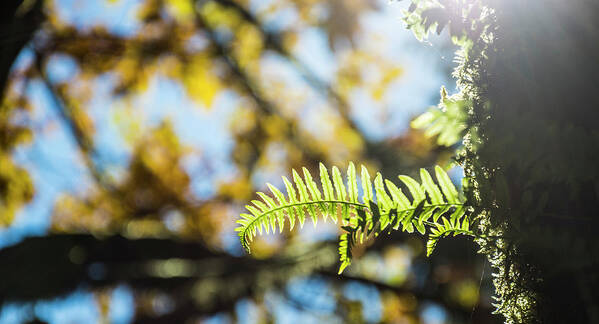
(433, 205)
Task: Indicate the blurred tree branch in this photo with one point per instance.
(273, 42)
(253, 90)
(55, 265)
(81, 138)
(19, 20)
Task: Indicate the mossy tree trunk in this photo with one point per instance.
(533, 153)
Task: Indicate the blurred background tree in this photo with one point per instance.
(134, 131)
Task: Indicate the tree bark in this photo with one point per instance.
(535, 165)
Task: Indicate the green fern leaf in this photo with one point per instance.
(457, 214)
(293, 211)
(420, 227)
(352, 184)
(341, 194)
(345, 255)
(441, 211)
(316, 196)
(339, 187)
(451, 194)
(384, 201)
(279, 195)
(431, 188)
(303, 195)
(384, 208)
(366, 186)
(329, 193)
(401, 201)
(415, 189)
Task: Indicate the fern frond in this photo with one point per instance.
(385, 207)
(447, 121)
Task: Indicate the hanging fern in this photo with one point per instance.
(387, 208)
(447, 120)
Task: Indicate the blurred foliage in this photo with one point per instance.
(142, 222)
(16, 187)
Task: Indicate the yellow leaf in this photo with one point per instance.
(181, 10)
(248, 46)
(200, 81)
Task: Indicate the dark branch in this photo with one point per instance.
(17, 27)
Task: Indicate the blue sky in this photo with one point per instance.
(55, 168)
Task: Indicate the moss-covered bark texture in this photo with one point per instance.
(532, 152)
